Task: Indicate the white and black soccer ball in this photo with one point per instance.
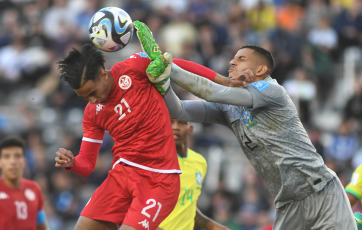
(110, 29)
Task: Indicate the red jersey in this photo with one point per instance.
(136, 117)
(19, 207)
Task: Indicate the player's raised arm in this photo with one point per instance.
(193, 111)
(84, 163)
(209, 90)
(211, 74)
(160, 68)
(151, 48)
(201, 87)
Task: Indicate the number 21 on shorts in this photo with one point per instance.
(151, 203)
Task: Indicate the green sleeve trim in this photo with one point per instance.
(353, 193)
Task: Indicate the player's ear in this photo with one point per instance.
(191, 129)
(104, 74)
(261, 70)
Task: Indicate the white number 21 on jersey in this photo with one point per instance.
(119, 109)
(151, 203)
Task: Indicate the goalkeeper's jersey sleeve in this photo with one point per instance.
(193, 168)
(355, 185)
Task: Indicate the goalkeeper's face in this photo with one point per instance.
(243, 60)
(246, 65)
(97, 91)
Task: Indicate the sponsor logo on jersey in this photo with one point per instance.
(99, 107)
(248, 118)
(144, 224)
(124, 82)
(29, 194)
(260, 85)
(198, 178)
(3, 195)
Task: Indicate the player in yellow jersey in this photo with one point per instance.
(354, 188)
(354, 193)
(193, 165)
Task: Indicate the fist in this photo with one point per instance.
(64, 158)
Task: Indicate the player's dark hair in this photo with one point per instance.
(264, 53)
(81, 65)
(12, 142)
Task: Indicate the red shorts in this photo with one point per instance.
(135, 197)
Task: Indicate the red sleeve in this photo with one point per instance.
(195, 68)
(85, 161)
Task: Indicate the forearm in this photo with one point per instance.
(207, 73)
(42, 227)
(209, 90)
(41, 220)
(203, 221)
(85, 161)
(193, 111)
(198, 69)
(352, 199)
(222, 80)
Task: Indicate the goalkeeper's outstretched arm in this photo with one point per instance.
(193, 110)
(210, 91)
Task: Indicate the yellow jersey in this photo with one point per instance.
(193, 168)
(355, 185)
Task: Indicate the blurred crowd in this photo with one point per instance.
(317, 49)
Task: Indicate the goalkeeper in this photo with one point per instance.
(307, 194)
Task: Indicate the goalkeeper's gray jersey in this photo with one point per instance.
(273, 139)
(275, 142)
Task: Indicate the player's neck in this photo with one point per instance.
(11, 183)
(182, 150)
(111, 80)
(261, 78)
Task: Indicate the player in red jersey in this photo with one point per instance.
(21, 200)
(143, 185)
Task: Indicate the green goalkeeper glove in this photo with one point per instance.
(148, 43)
(158, 72)
(358, 218)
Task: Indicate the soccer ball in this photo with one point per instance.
(110, 29)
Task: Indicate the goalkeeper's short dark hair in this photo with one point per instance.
(81, 65)
(264, 54)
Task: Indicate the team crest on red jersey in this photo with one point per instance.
(125, 82)
(29, 194)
